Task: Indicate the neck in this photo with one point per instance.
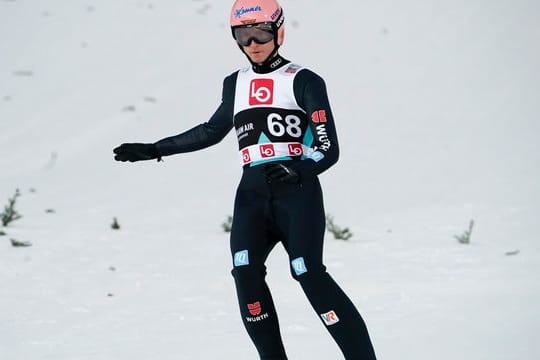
(272, 63)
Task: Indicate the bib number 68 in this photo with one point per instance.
(291, 127)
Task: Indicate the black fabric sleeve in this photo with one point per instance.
(310, 93)
(208, 133)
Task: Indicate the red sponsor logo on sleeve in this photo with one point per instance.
(261, 92)
(318, 116)
(267, 150)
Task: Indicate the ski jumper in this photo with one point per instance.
(281, 114)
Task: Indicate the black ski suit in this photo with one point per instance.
(281, 114)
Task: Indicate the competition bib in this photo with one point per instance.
(268, 121)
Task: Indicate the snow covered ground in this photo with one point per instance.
(437, 107)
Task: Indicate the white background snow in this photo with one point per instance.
(437, 106)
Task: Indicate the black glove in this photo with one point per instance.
(280, 172)
(136, 152)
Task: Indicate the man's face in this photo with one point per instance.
(259, 52)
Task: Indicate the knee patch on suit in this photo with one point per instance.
(301, 269)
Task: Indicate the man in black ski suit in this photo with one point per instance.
(286, 137)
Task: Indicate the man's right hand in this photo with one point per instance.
(136, 151)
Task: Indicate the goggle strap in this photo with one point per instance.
(280, 19)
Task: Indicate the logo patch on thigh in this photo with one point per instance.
(299, 266)
(241, 258)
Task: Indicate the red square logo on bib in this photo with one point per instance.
(267, 150)
(245, 156)
(261, 92)
(295, 150)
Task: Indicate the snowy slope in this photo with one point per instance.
(437, 110)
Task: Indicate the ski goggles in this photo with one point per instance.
(261, 33)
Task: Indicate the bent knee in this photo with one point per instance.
(244, 268)
(302, 269)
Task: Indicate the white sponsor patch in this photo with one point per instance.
(330, 318)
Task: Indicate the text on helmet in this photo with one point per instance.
(238, 13)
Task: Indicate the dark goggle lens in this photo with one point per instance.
(260, 33)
